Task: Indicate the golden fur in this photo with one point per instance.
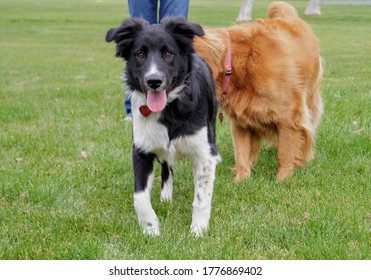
(274, 92)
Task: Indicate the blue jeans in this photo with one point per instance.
(147, 9)
(128, 102)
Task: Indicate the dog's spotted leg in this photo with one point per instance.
(143, 181)
(204, 176)
(167, 182)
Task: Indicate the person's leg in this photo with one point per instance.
(245, 11)
(146, 9)
(127, 102)
(128, 106)
(174, 8)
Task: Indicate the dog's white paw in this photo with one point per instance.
(166, 195)
(146, 215)
(151, 228)
(198, 231)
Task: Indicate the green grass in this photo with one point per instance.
(60, 94)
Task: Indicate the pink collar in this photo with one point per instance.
(228, 71)
(227, 80)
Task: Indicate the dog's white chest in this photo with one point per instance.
(152, 137)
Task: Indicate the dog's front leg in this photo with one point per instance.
(242, 139)
(143, 181)
(204, 176)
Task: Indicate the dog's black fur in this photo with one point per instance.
(161, 58)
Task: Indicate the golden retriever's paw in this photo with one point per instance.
(311, 156)
(241, 173)
(284, 173)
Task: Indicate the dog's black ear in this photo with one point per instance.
(124, 35)
(111, 34)
(183, 31)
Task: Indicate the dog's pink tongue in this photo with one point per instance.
(156, 101)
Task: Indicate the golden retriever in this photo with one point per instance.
(274, 92)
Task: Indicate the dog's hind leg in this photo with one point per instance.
(294, 149)
(167, 182)
(288, 139)
(204, 176)
(143, 181)
(315, 102)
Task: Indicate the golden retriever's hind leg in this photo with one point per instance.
(295, 144)
(289, 145)
(242, 139)
(315, 104)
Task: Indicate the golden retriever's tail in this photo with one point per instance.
(281, 9)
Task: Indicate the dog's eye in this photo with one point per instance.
(140, 56)
(168, 55)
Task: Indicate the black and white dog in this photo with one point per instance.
(174, 109)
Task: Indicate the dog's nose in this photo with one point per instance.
(154, 83)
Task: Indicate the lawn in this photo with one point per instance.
(61, 94)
